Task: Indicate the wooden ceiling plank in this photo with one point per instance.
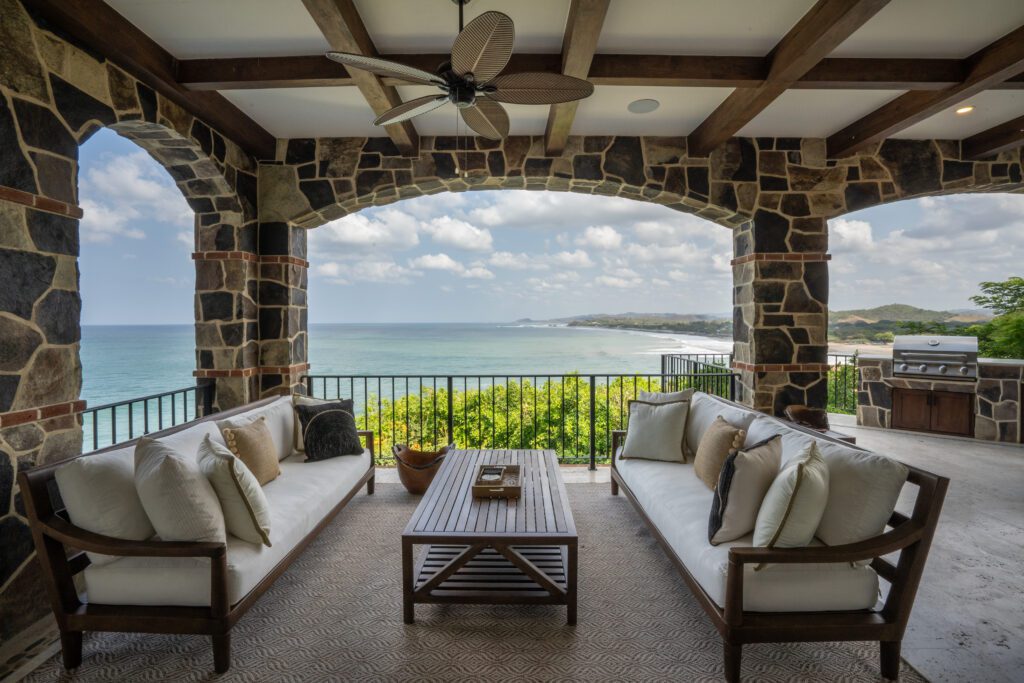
(100, 28)
(582, 30)
(989, 66)
(341, 25)
(1007, 135)
(818, 32)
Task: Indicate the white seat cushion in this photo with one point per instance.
(679, 505)
(299, 500)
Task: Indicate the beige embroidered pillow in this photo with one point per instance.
(254, 446)
(246, 512)
(795, 502)
(720, 439)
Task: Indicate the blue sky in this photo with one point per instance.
(496, 256)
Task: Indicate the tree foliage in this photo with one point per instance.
(1001, 297)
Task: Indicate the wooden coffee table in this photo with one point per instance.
(493, 551)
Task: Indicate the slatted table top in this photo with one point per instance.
(449, 511)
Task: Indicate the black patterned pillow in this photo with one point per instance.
(329, 430)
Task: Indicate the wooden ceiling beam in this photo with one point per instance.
(344, 30)
(254, 73)
(98, 27)
(993, 64)
(818, 32)
(582, 29)
(997, 139)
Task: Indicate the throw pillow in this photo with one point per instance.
(252, 444)
(704, 409)
(329, 430)
(280, 421)
(246, 512)
(99, 494)
(655, 431)
(742, 485)
(795, 502)
(299, 400)
(178, 499)
(720, 439)
(670, 397)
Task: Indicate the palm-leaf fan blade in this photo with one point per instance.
(539, 88)
(488, 119)
(386, 68)
(407, 110)
(484, 47)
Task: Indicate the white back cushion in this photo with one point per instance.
(703, 411)
(863, 489)
(795, 502)
(99, 494)
(280, 422)
(177, 497)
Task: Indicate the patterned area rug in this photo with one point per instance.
(336, 616)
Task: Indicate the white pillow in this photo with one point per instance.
(703, 411)
(795, 502)
(299, 400)
(863, 490)
(280, 423)
(246, 512)
(655, 431)
(99, 494)
(665, 396)
(178, 499)
(745, 479)
(763, 427)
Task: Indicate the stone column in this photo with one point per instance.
(283, 319)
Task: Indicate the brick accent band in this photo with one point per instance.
(249, 372)
(39, 202)
(19, 417)
(781, 367)
(248, 256)
(810, 256)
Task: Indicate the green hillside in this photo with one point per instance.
(892, 312)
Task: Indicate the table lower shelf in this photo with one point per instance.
(488, 577)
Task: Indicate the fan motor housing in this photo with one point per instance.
(462, 95)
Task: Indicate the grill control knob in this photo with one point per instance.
(904, 367)
(964, 370)
(922, 367)
(942, 369)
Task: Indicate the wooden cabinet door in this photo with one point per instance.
(952, 413)
(911, 409)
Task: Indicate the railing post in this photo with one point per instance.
(593, 423)
(208, 399)
(309, 386)
(732, 387)
(451, 410)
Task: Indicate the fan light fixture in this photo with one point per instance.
(470, 79)
(966, 109)
(644, 106)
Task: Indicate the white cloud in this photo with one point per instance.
(437, 262)
(459, 233)
(851, 235)
(572, 259)
(478, 273)
(600, 237)
(380, 271)
(510, 261)
(618, 282)
(384, 229)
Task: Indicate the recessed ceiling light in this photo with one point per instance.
(966, 109)
(643, 106)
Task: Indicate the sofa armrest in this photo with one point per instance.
(618, 437)
(904, 535)
(80, 539)
(368, 435)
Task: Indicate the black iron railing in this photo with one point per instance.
(573, 414)
(113, 423)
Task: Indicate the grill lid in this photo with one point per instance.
(935, 344)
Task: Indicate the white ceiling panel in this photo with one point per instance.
(194, 29)
(523, 119)
(991, 108)
(681, 110)
(308, 112)
(933, 28)
(698, 27)
(413, 26)
(815, 113)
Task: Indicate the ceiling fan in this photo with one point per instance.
(470, 79)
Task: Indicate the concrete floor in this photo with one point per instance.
(968, 620)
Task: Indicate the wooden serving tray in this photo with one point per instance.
(509, 486)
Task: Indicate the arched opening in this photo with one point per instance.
(511, 319)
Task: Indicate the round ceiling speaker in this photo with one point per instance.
(643, 106)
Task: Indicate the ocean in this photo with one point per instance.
(124, 362)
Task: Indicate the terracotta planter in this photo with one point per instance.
(416, 469)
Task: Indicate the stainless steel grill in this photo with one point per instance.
(951, 358)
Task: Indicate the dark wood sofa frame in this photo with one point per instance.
(61, 547)
(910, 536)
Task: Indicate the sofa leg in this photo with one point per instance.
(222, 653)
(732, 654)
(71, 648)
(890, 659)
(369, 486)
(615, 488)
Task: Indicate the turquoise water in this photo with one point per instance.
(124, 362)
